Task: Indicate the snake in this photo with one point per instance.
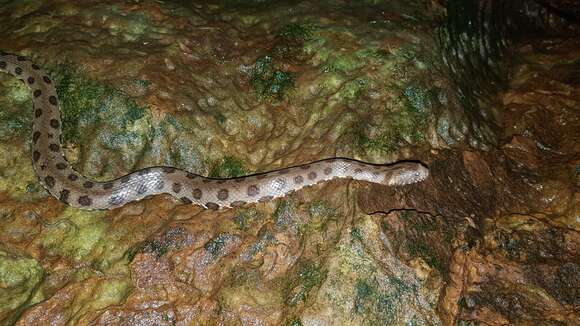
(69, 186)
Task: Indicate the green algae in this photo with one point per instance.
(356, 234)
(18, 177)
(402, 124)
(248, 296)
(76, 235)
(246, 217)
(15, 102)
(365, 291)
(307, 276)
(290, 40)
(295, 322)
(86, 102)
(110, 292)
(158, 247)
(215, 245)
(285, 213)
(228, 167)
(320, 212)
(98, 294)
(268, 81)
(19, 278)
(296, 32)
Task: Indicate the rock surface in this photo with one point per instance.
(225, 88)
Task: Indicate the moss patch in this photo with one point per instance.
(402, 124)
(75, 235)
(86, 101)
(15, 102)
(268, 81)
(19, 277)
(246, 217)
(18, 177)
(307, 276)
(228, 167)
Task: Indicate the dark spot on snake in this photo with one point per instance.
(261, 176)
(35, 156)
(186, 200)
(35, 67)
(190, 175)
(176, 187)
(160, 184)
(312, 175)
(219, 182)
(35, 136)
(46, 79)
(212, 206)
(43, 167)
(37, 113)
(281, 183)
(73, 177)
(54, 147)
(61, 165)
(238, 180)
(116, 200)
(85, 201)
(196, 193)
(18, 71)
(144, 171)
(223, 194)
(142, 189)
(253, 190)
(49, 181)
(168, 169)
(327, 170)
(2, 64)
(238, 203)
(298, 179)
(88, 184)
(20, 58)
(357, 170)
(31, 80)
(265, 199)
(54, 123)
(305, 167)
(125, 179)
(52, 100)
(64, 194)
(108, 185)
(50, 135)
(37, 93)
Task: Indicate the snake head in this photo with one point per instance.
(406, 173)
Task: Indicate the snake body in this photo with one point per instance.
(72, 188)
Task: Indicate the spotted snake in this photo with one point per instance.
(63, 182)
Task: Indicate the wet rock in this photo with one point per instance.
(229, 88)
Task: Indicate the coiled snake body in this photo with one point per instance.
(70, 187)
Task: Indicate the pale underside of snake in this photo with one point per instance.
(70, 187)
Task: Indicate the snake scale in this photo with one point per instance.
(72, 188)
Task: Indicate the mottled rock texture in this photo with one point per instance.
(226, 88)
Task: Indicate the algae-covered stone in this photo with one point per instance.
(19, 280)
(357, 288)
(75, 234)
